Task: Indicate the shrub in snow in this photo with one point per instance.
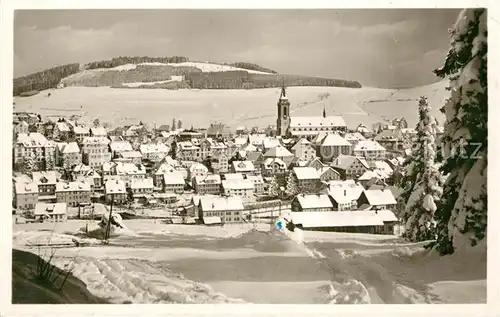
(462, 213)
(274, 188)
(422, 181)
(292, 188)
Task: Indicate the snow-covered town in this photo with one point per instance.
(174, 211)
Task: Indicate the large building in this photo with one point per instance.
(306, 127)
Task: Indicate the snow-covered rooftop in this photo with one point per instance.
(208, 203)
(318, 121)
(207, 179)
(146, 183)
(278, 151)
(45, 177)
(238, 184)
(120, 146)
(377, 197)
(115, 186)
(131, 154)
(243, 166)
(26, 188)
(333, 139)
(368, 145)
(314, 201)
(341, 218)
(50, 209)
(268, 162)
(173, 178)
(153, 148)
(95, 140)
(306, 173)
(72, 187)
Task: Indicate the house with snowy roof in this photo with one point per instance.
(80, 170)
(378, 199)
(219, 163)
(304, 150)
(273, 166)
(51, 212)
(258, 183)
(95, 151)
(344, 194)
(350, 167)
(269, 143)
(354, 221)
(141, 188)
(119, 146)
(208, 184)
(134, 157)
(73, 193)
(332, 146)
(309, 127)
(354, 138)
(46, 181)
(154, 152)
(115, 191)
(328, 173)
(220, 209)
(311, 203)
(244, 167)
(370, 150)
(98, 132)
(373, 177)
(197, 169)
(308, 179)
(173, 182)
(243, 188)
(81, 132)
(129, 171)
(187, 151)
(26, 195)
(70, 155)
(33, 145)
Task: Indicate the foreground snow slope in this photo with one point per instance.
(316, 267)
(256, 107)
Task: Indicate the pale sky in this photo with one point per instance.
(377, 47)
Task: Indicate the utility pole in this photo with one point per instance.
(108, 226)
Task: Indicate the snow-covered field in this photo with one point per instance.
(151, 83)
(195, 264)
(256, 107)
(204, 67)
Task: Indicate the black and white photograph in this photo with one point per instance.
(248, 156)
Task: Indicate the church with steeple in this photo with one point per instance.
(307, 127)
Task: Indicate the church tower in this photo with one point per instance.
(283, 121)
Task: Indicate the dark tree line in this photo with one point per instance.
(244, 80)
(46, 79)
(122, 60)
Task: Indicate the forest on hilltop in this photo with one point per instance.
(192, 77)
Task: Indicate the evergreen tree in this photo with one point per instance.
(274, 187)
(291, 185)
(96, 123)
(179, 124)
(174, 125)
(425, 187)
(462, 213)
(30, 163)
(49, 162)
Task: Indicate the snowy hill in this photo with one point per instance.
(234, 107)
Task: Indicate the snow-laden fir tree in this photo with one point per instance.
(274, 187)
(427, 189)
(413, 167)
(462, 213)
(30, 163)
(292, 188)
